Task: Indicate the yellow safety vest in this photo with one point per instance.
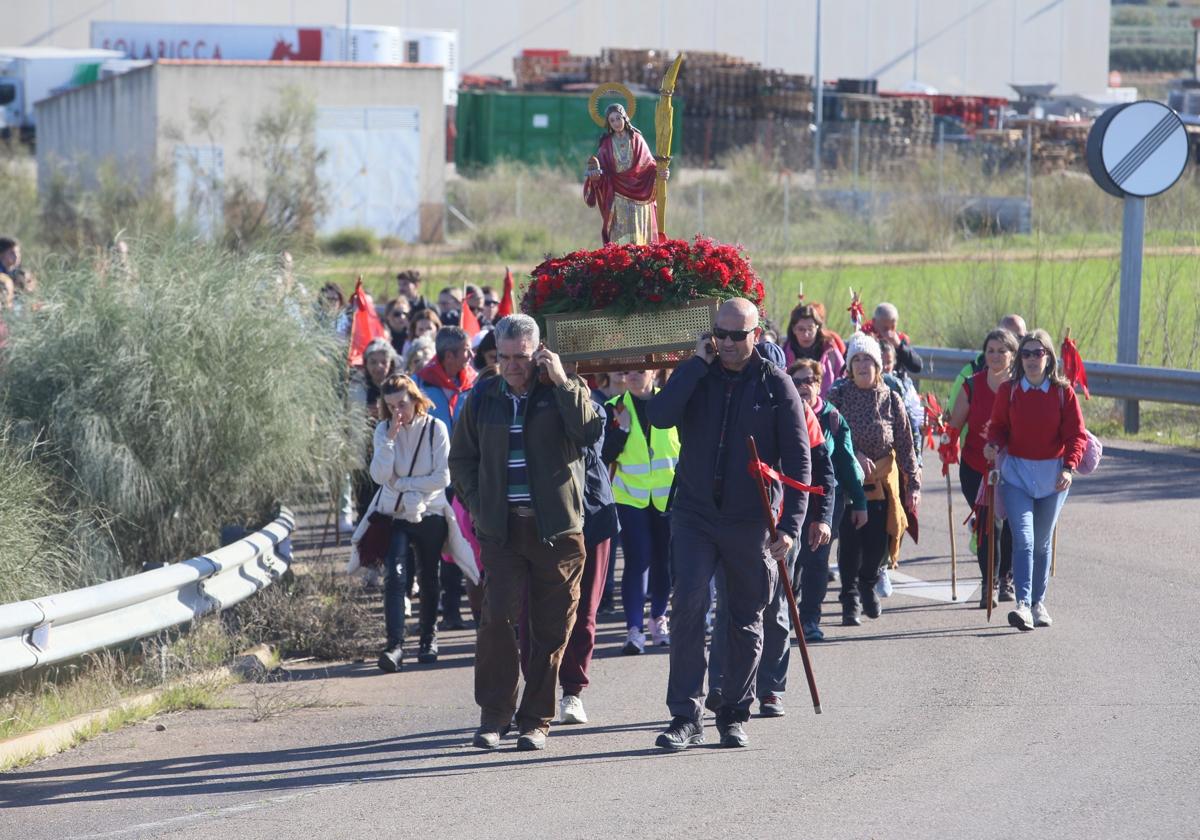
(644, 473)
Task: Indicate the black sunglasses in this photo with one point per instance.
(736, 335)
(490, 302)
(1033, 354)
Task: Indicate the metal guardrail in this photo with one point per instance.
(60, 627)
(1123, 382)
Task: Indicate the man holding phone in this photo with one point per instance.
(526, 502)
(725, 393)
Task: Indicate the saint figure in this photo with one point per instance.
(621, 182)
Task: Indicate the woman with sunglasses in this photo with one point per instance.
(811, 579)
(970, 414)
(395, 318)
(884, 447)
(1037, 421)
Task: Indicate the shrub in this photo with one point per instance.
(35, 559)
(512, 242)
(351, 241)
(181, 395)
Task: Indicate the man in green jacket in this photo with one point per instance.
(526, 502)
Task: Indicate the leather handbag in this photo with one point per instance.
(376, 540)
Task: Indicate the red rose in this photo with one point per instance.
(664, 274)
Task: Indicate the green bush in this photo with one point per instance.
(351, 241)
(182, 394)
(512, 242)
(1149, 59)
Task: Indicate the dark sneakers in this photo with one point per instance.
(427, 654)
(683, 732)
(392, 659)
(733, 731)
(1008, 592)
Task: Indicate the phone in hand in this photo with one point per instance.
(707, 345)
(542, 373)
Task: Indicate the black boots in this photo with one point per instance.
(392, 659)
(428, 652)
(851, 609)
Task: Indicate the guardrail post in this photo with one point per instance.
(1129, 313)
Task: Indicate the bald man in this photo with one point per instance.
(726, 392)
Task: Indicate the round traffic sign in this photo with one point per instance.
(1139, 149)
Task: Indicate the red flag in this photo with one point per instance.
(856, 311)
(364, 325)
(1072, 364)
(507, 306)
(468, 321)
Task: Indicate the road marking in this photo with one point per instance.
(932, 590)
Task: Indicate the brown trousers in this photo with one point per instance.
(550, 574)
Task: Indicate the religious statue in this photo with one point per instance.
(621, 177)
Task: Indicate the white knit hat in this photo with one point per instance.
(862, 344)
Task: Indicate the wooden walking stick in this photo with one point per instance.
(990, 530)
(784, 578)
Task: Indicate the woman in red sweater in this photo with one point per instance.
(971, 412)
(1036, 419)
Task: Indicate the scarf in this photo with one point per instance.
(434, 374)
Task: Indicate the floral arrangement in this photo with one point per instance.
(636, 278)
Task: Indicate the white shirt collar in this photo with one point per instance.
(1027, 385)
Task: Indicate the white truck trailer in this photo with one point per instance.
(259, 42)
(30, 74)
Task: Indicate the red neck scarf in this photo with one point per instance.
(434, 374)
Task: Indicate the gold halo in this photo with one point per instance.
(611, 87)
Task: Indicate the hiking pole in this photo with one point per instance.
(1053, 549)
(953, 554)
(784, 579)
(992, 478)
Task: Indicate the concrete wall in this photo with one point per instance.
(138, 119)
(113, 120)
(958, 46)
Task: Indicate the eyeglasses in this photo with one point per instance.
(1034, 354)
(398, 314)
(805, 381)
(735, 335)
(490, 302)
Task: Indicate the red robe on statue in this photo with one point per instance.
(624, 191)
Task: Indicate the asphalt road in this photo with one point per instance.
(936, 724)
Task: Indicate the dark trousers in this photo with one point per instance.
(452, 591)
(577, 658)
(736, 552)
(646, 539)
(810, 578)
(861, 553)
(426, 539)
(549, 575)
(969, 480)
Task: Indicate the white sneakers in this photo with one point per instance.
(1041, 618)
(1025, 619)
(635, 642)
(660, 634)
(570, 710)
(1021, 618)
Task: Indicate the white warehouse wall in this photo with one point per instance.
(957, 46)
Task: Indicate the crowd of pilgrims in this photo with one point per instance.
(865, 423)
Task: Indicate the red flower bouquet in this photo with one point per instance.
(622, 279)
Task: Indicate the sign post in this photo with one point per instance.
(1135, 151)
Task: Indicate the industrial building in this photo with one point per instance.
(382, 126)
(975, 47)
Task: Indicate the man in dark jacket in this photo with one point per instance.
(526, 502)
(716, 400)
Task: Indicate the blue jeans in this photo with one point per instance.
(426, 537)
(646, 538)
(1032, 522)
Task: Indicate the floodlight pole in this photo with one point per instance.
(818, 102)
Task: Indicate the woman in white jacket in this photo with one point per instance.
(410, 465)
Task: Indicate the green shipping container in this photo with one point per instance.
(540, 128)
